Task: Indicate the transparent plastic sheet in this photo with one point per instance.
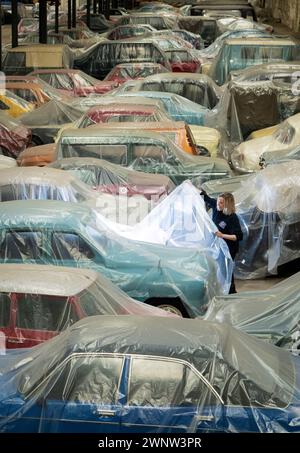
(71, 81)
(181, 220)
(271, 315)
(206, 27)
(14, 137)
(279, 156)
(232, 23)
(46, 121)
(107, 177)
(239, 54)
(245, 107)
(46, 300)
(7, 162)
(153, 373)
(101, 58)
(198, 88)
(246, 157)
(118, 113)
(151, 152)
(212, 51)
(69, 234)
(193, 38)
(268, 208)
(23, 59)
(14, 105)
(33, 183)
(277, 72)
(127, 71)
(158, 20)
(178, 107)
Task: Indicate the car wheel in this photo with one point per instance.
(174, 306)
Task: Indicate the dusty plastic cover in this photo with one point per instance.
(176, 371)
(273, 315)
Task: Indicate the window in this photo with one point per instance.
(70, 246)
(149, 153)
(28, 95)
(89, 379)
(43, 312)
(3, 106)
(164, 383)
(21, 245)
(4, 309)
(113, 153)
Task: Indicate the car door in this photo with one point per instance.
(168, 395)
(85, 395)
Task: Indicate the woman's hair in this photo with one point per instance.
(229, 203)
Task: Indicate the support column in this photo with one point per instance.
(14, 23)
(43, 21)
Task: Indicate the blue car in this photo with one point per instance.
(178, 107)
(135, 374)
(181, 280)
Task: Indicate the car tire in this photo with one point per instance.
(174, 306)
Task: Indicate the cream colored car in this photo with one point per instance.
(246, 156)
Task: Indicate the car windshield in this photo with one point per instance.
(285, 133)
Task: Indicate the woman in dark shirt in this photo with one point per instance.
(227, 222)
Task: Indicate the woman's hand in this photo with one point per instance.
(219, 234)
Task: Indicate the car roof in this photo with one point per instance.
(260, 42)
(117, 107)
(108, 130)
(43, 279)
(39, 47)
(36, 175)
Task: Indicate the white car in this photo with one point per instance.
(246, 156)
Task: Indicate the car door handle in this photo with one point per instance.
(105, 412)
(206, 418)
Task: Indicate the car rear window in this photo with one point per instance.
(43, 312)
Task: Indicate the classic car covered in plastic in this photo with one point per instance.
(142, 374)
(73, 82)
(69, 234)
(273, 315)
(123, 113)
(48, 119)
(157, 20)
(101, 58)
(236, 54)
(128, 71)
(204, 26)
(33, 183)
(238, 23)
(38, 301)
(246, 107)
(13, 105)
(24, 59)
(150, 152)
(14, 137)
(198, 88)
(178, 107)
(107, 177)
(268, 208)
(246, 156)
(277, 72)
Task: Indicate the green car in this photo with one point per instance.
(150, 152)
(181, 280)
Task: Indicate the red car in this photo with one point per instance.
(74, 82)
(37, 302)
(14, 137)
(117, 112)
(111, 178)
(129, 71)
(183, 61)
